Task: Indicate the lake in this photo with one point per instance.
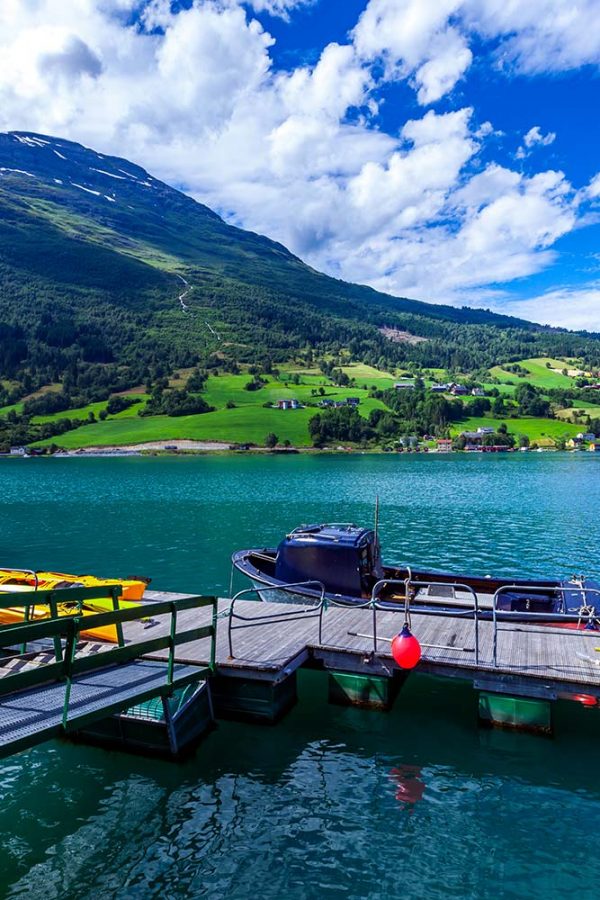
(332, 802)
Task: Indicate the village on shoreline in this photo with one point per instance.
(539, 404)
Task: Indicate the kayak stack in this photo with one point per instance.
(13, 581)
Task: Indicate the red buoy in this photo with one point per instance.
(406, 649)
(585, 699)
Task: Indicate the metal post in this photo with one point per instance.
(54, 615)
(495, 621)
(171, 662)
(374, 602)
(26, 620)
(115, 592)
(476, 630)
(229, 627)
(72, 628)
(171, 733)
(213, 637)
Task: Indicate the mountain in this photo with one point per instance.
(107, 275)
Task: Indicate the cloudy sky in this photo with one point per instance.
(445, 150)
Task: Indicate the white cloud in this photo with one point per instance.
(414, 39)
(577, 308)
(280, 8)
(533, 138)
(449, 59)
(430, 40)
(593, 188)
(195, 98)
(545, 36)
(336, 83)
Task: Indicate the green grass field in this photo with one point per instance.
(219, 390)
(245, 423)
(592, 411)
(365, 376)
(251, 421)
(83, 412)
(248, 421)
(539, 374)
(538, 430)
(14, 407)
(507, 390)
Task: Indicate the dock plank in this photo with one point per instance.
(528, 654)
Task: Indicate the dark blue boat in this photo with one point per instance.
(346, 561)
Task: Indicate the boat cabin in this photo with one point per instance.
(345, 558)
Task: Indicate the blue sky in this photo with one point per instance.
(440, 149)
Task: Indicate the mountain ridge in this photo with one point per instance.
(91, 251)
(96, 182)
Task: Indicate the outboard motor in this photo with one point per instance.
(345, 558)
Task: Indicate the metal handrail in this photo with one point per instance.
(468, 613)
(53, 598)
(292, 615)
(23, 572)
(505, 615)
(37, 581)
(66, 666)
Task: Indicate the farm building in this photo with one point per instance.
(288, 404)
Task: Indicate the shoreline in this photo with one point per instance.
(203, 448)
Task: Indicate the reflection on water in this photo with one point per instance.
(333, 802)
(410, 786)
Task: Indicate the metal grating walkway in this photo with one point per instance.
(32, 716)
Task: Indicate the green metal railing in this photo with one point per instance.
(65, 632)
(52, 599)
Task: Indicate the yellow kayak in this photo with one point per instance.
(17, 581)
(133, 588)
(13, 615)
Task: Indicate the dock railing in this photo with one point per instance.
(66, 630)
(29, 601)
(421, 609)
(315, 611)
(586, 613)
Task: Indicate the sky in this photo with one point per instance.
(444, 150)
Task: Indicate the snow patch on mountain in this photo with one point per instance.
(18, 171)
(110, 174)
(88, 190)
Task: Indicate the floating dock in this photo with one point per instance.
(52, 682)
(183, 659)
(518, 668)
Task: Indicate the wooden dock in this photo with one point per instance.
(533, 661)
(246, 667)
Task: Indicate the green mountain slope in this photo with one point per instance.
(108, 276)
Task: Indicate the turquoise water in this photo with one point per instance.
(332, 802)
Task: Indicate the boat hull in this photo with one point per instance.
(524, 594)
